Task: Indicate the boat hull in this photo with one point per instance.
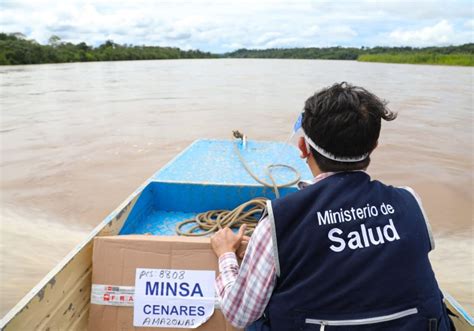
(60, 301)
(205, 176)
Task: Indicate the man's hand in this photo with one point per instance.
(225, 241)
(243, 247)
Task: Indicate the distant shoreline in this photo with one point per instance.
(462, 55)
(454, 59)
(15, 49)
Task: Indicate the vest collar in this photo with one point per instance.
(305, 183)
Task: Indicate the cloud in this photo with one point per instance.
(441, 33)
(431, 35)
(221, 25)
(342, 33)
(469, 24)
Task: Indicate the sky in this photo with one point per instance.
(226, 25)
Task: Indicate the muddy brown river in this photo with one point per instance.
(77, 139)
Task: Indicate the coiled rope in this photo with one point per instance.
(247, 213)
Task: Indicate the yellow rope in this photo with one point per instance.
(212, 221)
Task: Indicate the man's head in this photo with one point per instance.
(344, 122)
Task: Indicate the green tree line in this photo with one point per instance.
(451, 55)
(16, 49)
(422, 57)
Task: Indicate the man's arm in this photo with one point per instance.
(244, 292)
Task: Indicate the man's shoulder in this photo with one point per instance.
(342, 182)
(403, 190)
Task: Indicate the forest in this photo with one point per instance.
(15, 48)
(451, 55)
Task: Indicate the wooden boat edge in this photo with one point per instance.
(111, 225)
(461, 318)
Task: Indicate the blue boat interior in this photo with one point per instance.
(208, 175)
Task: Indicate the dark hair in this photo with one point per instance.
(345, 121)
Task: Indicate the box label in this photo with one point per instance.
(112, 295)
(170, 298)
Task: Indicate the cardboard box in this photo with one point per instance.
(116, 258)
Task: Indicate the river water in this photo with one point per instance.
(77, 139)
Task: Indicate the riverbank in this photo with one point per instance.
(462, 55)
(15, 49)
(455, 59)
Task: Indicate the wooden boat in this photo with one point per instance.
(207, 175)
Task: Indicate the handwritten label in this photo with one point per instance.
(170, 298)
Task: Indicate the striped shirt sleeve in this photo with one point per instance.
(245, 291)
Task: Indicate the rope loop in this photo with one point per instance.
(248, 213)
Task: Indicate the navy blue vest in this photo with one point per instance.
(352, 254)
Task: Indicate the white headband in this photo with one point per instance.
(331, 156)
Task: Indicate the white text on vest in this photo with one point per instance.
(366, 237)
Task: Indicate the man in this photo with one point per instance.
(343, 253)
